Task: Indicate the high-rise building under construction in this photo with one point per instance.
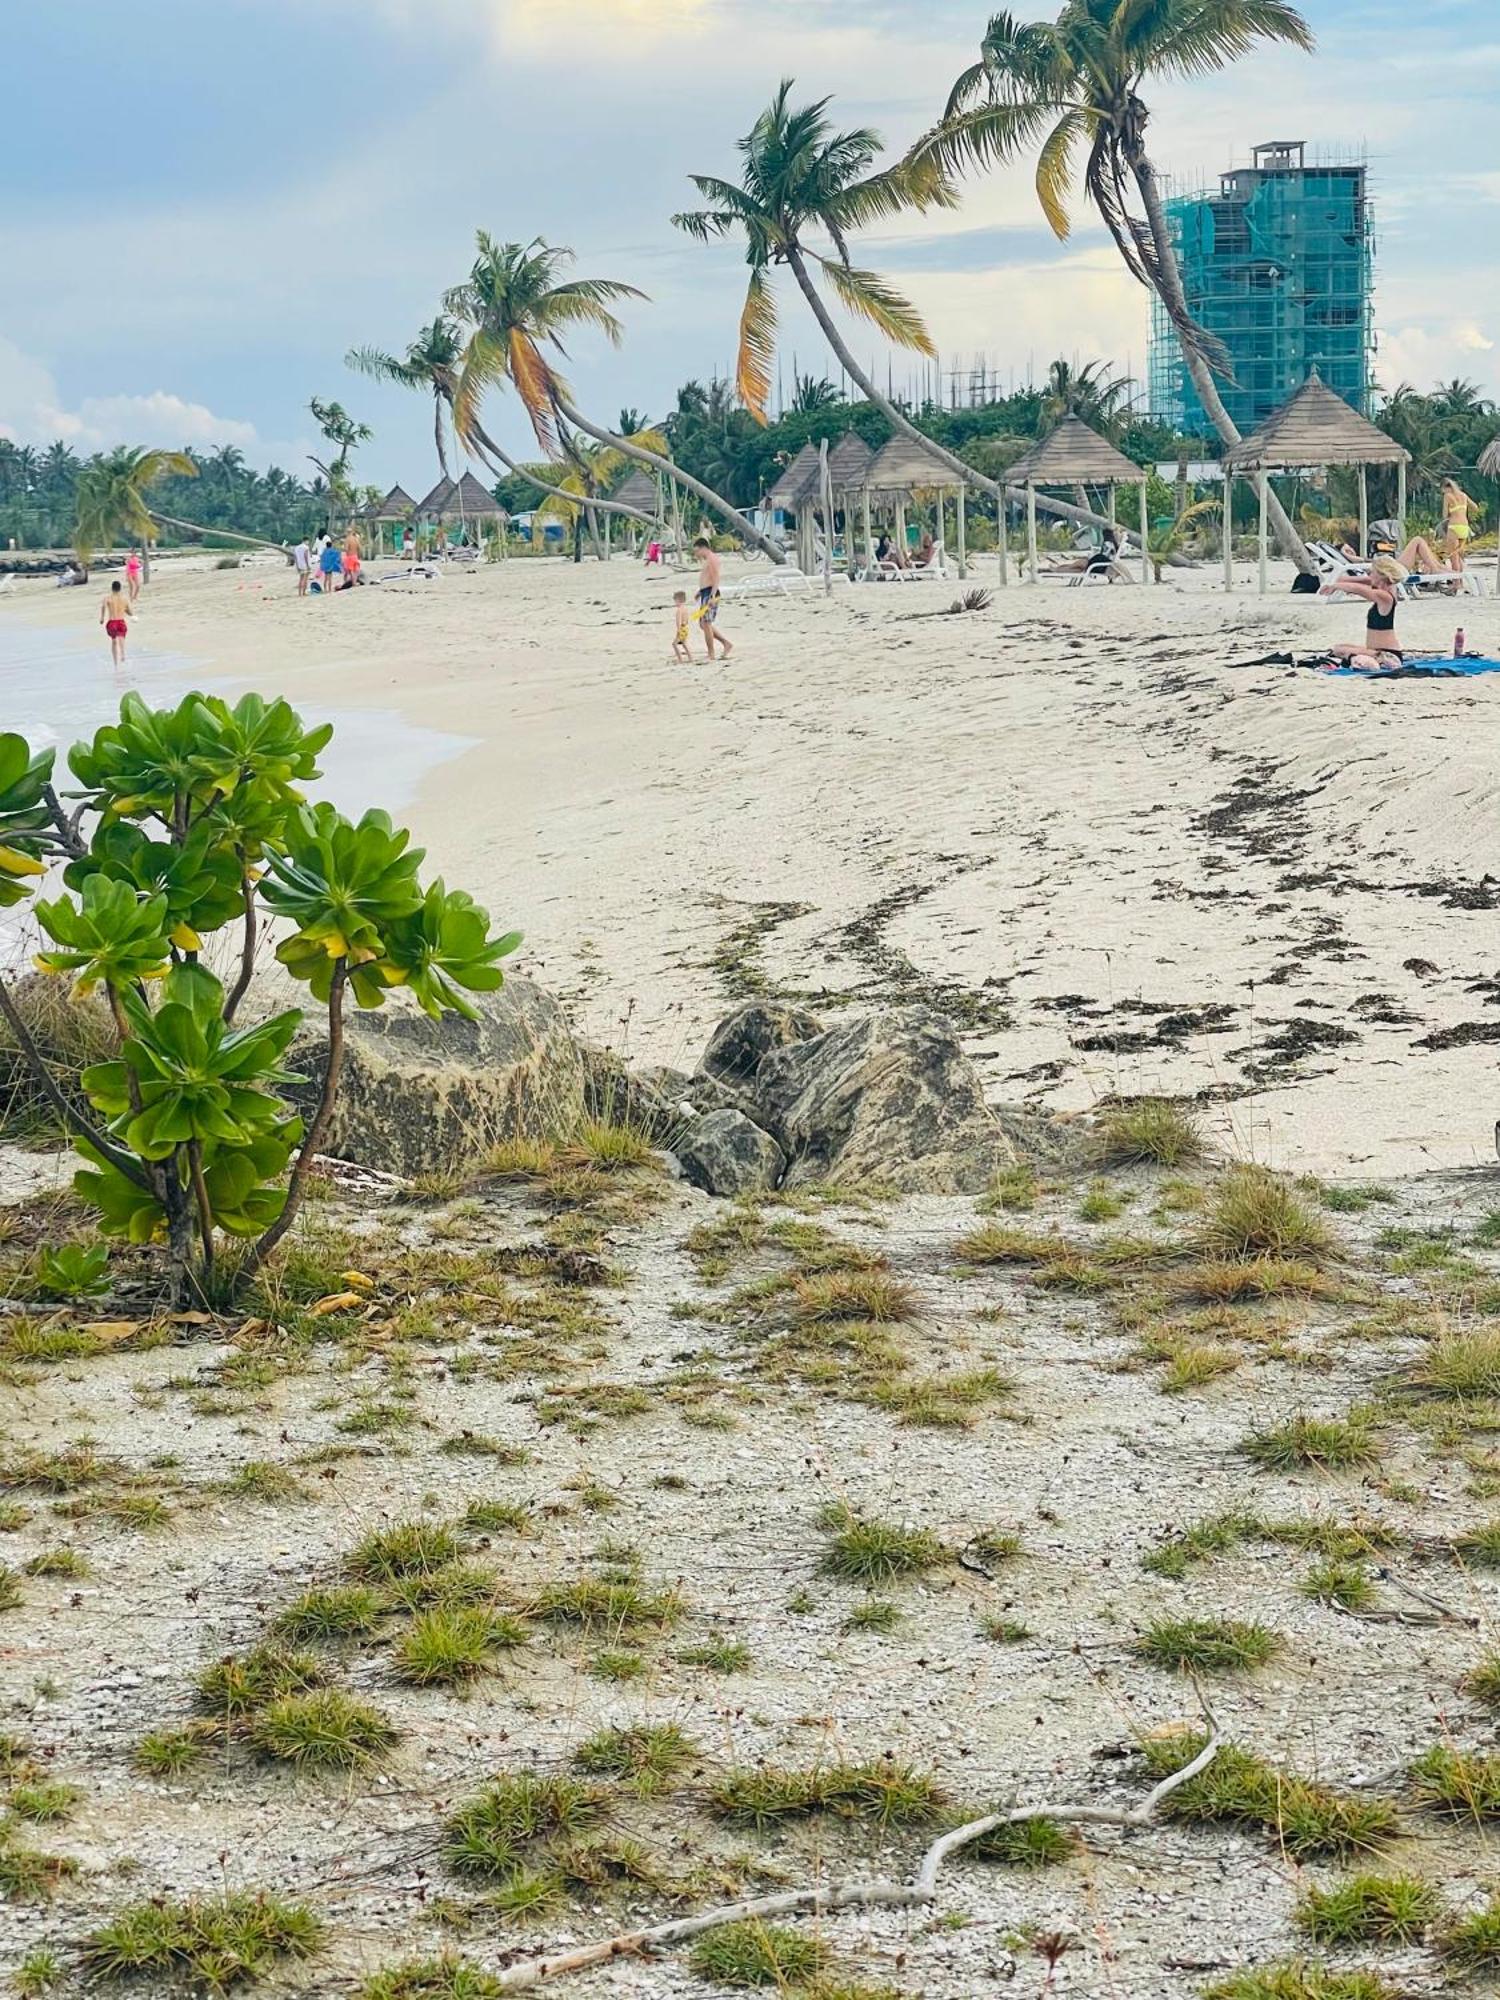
(1277, 264)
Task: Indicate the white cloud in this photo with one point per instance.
(32, 411)
(1437, 352)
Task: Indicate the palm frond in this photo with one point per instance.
(384, 367)
(1054, 170)
(1206, 37)
(486, 363)
(911, 183)
(757, 348)
(535, 385)
(868, 296)
(990, 135)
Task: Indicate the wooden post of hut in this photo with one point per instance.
(1228, 526)
(1263, 486)
(1148, 574)
(1031, 529)
(963, 536)
(1364, 511)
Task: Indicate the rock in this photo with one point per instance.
(725, 1153)
(417, 1094)
(890, 1097)
(741, 1042)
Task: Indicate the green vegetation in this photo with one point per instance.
(1253, 1213)
(1305, 1819)
(1299, 1979)
(867, 1551)
(211, 1942)
(595, 1605)
(1472, 1943)
(326, 1730)
(445, 1978)
(1460, 1784)
(885, 1793)
(753, 1954)
(1343, 1584)
(1035, 1842)
(195, 824)
(448, 1645)
(1324, 1444)
(720, 1656)
(239, 1684)
(1369, 1909)
(1464, 1366)
(1150, 1131)
(647, 1757)
(1207, 1645)
(410, 1548)
(350, 1611)
(503, 1829)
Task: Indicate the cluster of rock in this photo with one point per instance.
(778, 1099)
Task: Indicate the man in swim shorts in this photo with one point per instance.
(114, 616)
(710, 570)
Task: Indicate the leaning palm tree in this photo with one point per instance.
(431, 363)
(593, 470)
(802, 181)
(110, 498)
(1076, 83)
(518, 307)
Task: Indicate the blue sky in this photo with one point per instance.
(204, 214)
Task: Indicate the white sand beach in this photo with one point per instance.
(1121, 864)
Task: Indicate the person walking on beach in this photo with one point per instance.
(710, 572)
(682, 654)
(114, 616)
(133, 568)
(1456, 528)
(302, 563)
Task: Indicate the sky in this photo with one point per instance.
(206, 206)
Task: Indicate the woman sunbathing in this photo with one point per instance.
(1379, 590)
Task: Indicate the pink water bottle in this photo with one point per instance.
(1458, 643)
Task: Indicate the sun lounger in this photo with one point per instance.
(786, 581)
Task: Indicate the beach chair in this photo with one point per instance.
(1094, 572)
(786, 581)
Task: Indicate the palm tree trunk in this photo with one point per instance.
(229, 534)
(437, 435)
(898, 421)
(1175, 300)
(501, 461)
(730, 515)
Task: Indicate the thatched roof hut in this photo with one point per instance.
(1489, 459)
(798, 483)
(903, 466)
(1073, 455)
(458, 500)
(1315, 426)
(848, 462)
(638, 489)
(397, 505)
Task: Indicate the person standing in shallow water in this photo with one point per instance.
(114, 616)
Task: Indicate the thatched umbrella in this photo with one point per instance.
(902, 468)
(1074, 455)
(848, 462)
(397, 507)
(796, 492)
(1313, 427)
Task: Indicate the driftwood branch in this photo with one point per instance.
(885, 1895)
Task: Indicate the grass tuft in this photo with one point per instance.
(1325, 1444)
(1369, 1909)
(348, 1612)
(1299, 1979)
(490, 1836)
(1472, 1943)
(212, 1942)
(1036, 1842)
(886, 1793)
(647, 1757)
(409, 1548)
(239, 1684)
(1460, 1784)
(445, 1978)
(326, 1730)
(1150, 1131)
(871, 1297)
(867, 1551)
(1305, 1819)
(450, 1644)
(750, 1954)
(1253, 1213)
(1341, 1583)
(1464, 1367)
(1207, 1645)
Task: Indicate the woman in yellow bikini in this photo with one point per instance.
(1456, 528)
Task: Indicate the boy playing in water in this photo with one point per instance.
(681, 653)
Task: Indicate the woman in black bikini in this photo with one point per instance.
(1379, 590)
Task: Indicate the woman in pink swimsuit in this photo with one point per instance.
(133, 574)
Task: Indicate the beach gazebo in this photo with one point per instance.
(1313, 427)
(462, 500)
(393, 512)
(848, 462)
(1075, 455)
(640, 490)
(797, 492)
(903, 468)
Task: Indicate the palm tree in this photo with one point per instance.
(801, 177)
(430, 363)
(1077, 82)
(340, 429)
(110, 498)
(811, 395)
(1093, 393)
(595, 468)
(517, 306)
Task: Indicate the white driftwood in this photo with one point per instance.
(915, 1894)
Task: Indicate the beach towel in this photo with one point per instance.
(1415, 667)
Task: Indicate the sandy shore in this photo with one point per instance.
(1118, 863)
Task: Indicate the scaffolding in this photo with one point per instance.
(1277, 262)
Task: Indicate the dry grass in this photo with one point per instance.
(1256, 1214)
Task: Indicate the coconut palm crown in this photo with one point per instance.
(801, 177)
(430, 362)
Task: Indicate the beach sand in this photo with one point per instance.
(1118, 863)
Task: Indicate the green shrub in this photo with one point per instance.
(751, 1953)
(213, 1942)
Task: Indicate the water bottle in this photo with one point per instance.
(1458, 643)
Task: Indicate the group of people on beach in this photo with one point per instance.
(325, 567)
(1386, 572)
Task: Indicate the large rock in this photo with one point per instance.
(417, 1094)
(725, 1153)
(743, 1040)
(891, 1097)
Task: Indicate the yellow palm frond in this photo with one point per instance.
(757, 350)
(486, 361)
(868, 296)
(533, 380)
(1054, 171)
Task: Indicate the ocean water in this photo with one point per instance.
(56, 687)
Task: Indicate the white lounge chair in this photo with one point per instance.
(785, 581)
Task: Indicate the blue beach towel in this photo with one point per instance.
(1420, 667)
